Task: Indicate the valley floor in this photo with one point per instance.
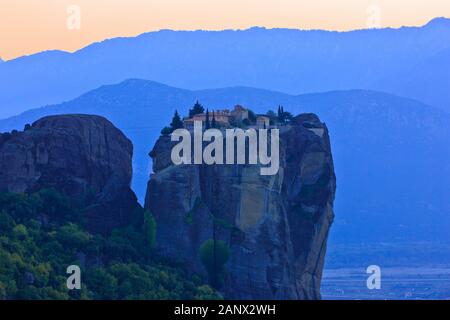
(396, 283)
(409, 270)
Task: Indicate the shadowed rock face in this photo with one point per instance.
(79, 155)
(276, 227)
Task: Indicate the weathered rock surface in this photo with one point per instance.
(275, 226)
(79, 155)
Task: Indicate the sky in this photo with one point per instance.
(30, 26)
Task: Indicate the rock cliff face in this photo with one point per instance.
(79, 155)
(276, 227)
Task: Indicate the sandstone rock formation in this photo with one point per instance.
(80, 155)
(276, 227)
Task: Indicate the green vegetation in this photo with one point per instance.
(166, 130)
(176, 122)
(196, 109)
(149, 229)
(190, 215)
(207, 122)
(283, 117)
(251, 116)
(213, 121)
(214, 254)
(41, 234)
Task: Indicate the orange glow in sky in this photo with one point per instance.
(29, 26)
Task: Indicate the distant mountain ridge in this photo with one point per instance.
(428, 81)
(390, 152)
(294, 61)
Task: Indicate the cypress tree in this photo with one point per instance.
(213, 122)
(196, 109)
(207, 124)
(176, 121)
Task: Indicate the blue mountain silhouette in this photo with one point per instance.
(293, 61)
(427, 81)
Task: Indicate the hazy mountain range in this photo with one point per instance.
(428, 81)
(391, 153)
(410, 61)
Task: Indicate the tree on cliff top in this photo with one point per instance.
(196, 109)
(213, 121)
(283, 117)
(207, 123)
(176, 122)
